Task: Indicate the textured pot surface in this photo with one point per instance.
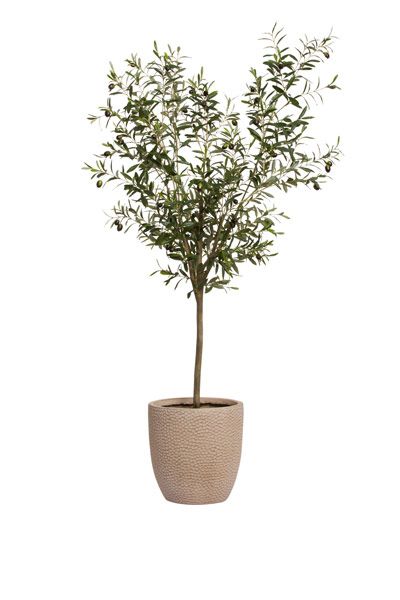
(195, 451)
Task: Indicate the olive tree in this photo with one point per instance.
(198, 173)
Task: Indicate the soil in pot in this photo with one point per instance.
(205, 405)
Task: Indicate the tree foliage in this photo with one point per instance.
(198, 174)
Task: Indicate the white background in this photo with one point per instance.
(310, 343)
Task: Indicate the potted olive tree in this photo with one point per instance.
(198, 177)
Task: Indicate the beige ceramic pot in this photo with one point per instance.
(195, 451)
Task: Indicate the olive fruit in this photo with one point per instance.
(111, 86)
(327, 168)
(231, 146)
(99, 183)
(252, 89)
(316, 186)
(326, 54)
(116, 222)
(107, 153)
(329, 163)
(205, 93)
(107, 113)
(235, 200)
(234, 122)
(119, 227)
(184, 109)
(258, 256)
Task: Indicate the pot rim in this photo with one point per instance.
(166, 402)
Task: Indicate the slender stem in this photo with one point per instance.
(199, 347)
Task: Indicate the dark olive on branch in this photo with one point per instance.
(232, 222)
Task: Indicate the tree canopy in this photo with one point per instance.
(199, 175)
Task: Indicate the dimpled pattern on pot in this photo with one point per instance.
(195, 451)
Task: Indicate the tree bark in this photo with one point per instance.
(199, 295)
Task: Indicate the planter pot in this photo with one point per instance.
(195, 451)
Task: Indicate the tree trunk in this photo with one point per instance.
(199, 347)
